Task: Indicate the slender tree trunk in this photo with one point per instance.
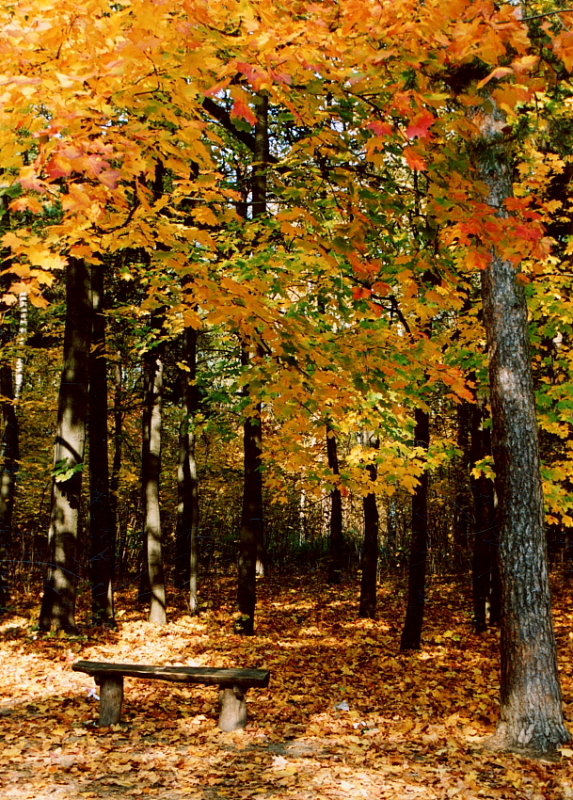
(116, 464)
(463, 515)
(11, 382)
(188, 483)
(252, 514)
(252, 528)
(9, 456)
(531, 715)
(102, 530)
(412, 631)
(336, 538)
(150, 476)
(59, 599)
(182, 529)
(485, 573)
(367, 607)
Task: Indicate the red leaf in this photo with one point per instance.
(419, 127)
(255, 75)
(360, 292)
(58, 167)
(242, 111)
(380, 128)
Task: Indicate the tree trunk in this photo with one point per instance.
(412, 631)
(102, 531)
(369, 561)
(11, 382)
(531, 715)
(252, 514)
(154, 590)
(485, 573)
(116, 465)
(252, 529)
(9, 456)
(336, 539)
(188, 484)
(463, 516)
(59, 599)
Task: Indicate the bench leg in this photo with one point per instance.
(110, 699)
(233, 715)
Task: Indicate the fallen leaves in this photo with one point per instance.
(345, 716)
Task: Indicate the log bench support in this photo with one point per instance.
(234, 684)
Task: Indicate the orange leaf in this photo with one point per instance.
(415, 160)
(497, 73)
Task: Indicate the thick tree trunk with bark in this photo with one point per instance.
(369, 560)
(102, 530)
(412, 631)
(59, 599)
(187, 481)
(336, 538)
(154, 589)
(531, 710)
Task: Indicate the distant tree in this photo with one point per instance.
(336, 537)
(485, 570)
(187, 531)
(11, 381)
(153, 575)
(369, 560)
(411, 638)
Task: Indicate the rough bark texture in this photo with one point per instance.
(59, 599)
(102, 530)
(531, 712)
(369, 560)
(412, 632)
(336, 540)
(150, 476)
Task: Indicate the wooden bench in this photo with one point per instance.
(234, 684)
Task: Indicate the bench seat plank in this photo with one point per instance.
(214, 676)
(234, 683)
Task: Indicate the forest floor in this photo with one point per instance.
(345, 716)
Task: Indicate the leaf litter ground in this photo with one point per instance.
(345, 716)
